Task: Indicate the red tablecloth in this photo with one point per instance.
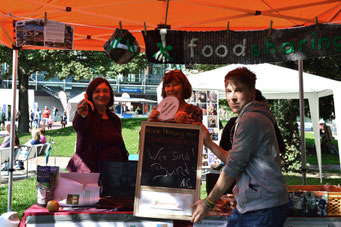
(36, 210)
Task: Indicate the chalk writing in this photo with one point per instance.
(170, 157)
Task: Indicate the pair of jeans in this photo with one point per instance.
(269, 217)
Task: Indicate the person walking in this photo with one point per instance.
(46, 115)
(54, 113)
(2, 119)
(38, 113)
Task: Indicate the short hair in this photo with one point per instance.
(242, 75)
(36, 134)
(177, 75)
(94, 84)
(259, 96)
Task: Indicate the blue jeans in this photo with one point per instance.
(269, 217)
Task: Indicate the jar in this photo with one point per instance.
(44, 194)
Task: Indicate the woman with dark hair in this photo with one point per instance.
(98, 130)
(176, 84)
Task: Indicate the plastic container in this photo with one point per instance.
(9, 219)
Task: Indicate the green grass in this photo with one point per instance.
(23, 195)
(65, 138)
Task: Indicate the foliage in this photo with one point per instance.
(328, 67)
(203, 67)
(62, 63)
(286, 120)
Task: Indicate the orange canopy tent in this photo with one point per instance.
(95, 21)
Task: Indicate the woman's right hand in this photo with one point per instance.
(83, 108)
(153, 115)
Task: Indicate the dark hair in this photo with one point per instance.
(42, 131)
(177, 75)
(242, 75)
(259, 96)
(94, 84)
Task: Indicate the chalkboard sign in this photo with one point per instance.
(169, 170)
(170, 157)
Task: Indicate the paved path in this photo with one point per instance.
(56, 125)
(32, 167)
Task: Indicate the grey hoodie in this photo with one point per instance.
(254, 160)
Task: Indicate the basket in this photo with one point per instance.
(334, 204)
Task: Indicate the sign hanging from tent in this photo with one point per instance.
(45, 33)
(247, 47)
(122, 46)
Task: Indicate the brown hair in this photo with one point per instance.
(93, 85)
(242, 75)
(41, 131)
(177, 75)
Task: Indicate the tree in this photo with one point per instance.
(62, 63)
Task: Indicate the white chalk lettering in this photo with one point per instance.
(203, 51)
(192, 45)
(242, 47)
(223, 54)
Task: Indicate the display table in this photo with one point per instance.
(88, 217)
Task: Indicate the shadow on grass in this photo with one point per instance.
(131, 123)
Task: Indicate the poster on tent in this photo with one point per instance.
(38, 32)
(207, 101)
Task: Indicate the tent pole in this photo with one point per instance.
(302, 128)
(12, 136)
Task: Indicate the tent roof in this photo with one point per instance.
(95, 21)
(275, 82)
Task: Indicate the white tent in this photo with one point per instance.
(277, 82)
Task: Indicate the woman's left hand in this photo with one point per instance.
(153, 116)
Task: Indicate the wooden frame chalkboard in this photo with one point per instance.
(169, 170)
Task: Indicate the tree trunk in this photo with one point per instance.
(23, 119)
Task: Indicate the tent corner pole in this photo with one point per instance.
(12, 134)
(302, 127)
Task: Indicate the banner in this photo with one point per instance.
(245, 47)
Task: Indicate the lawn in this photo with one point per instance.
(24, 191)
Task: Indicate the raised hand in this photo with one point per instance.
(82, 106)
(90, 103)
(153, 115)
